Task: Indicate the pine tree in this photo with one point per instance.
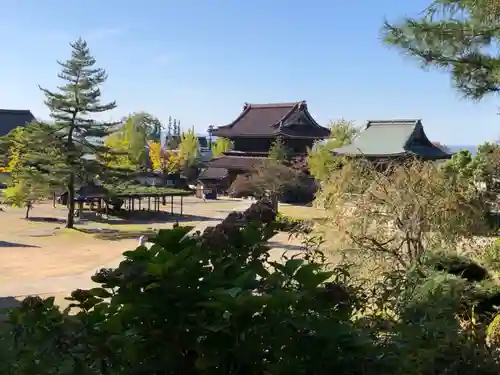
(170, 143)
(456, 36)
(169, 129)
(178, 132)
(175, 127)
(73, 110)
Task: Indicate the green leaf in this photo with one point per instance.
(309, 276)
(140, 253)
(170, 239)
(293, 265)
(155, 269)
(217, 327)
(152, 286)
(48, 302)
(203, 363)
(279, 267)
(100, 292)
(233, 292)
(212, 305)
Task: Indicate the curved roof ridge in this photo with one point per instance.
(274, 105)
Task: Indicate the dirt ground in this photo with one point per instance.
(37, 248)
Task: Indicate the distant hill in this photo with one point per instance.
(452, 149)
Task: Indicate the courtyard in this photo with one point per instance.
(41, 257)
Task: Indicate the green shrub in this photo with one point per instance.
(493, 332)
(206, 304)
(214, 303)
(289, 224)
(490, 256)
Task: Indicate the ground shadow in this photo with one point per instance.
(286, 246)
(141, 217)
(117, 235)
(39, 219)
(15, 244)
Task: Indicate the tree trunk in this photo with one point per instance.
(54, 200)
(71, 201)
(273, 197)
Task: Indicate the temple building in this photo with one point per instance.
(394, 139)
(12, 118)
(254, 131)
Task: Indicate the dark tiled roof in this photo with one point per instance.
(212, 173)
(243, 163)
(92, 191)
(12, 118)
(384, 138)
(270, 120)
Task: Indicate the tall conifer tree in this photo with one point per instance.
(74, 109)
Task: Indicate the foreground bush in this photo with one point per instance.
(206, 304)
(215, 304)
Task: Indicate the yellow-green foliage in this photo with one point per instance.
(127, 145)
(16, 195)
(14, 144)
(220, 146)
(156, 156)
(188, 148)
(493, 331)
(321, 160)
(119, 146)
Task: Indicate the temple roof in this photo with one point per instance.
(12, 118)
(389, 138)
(212, 173)
(272, 120)
(243, 163)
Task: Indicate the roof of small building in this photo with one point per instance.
(272, 120)
(243, 163)
(12, 118)
(212, 173)
(391, 138)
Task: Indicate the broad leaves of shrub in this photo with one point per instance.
(203, 304)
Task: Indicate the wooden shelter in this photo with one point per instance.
(134, 197)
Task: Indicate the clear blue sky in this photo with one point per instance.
(200, 60)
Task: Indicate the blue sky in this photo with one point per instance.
(200, 60)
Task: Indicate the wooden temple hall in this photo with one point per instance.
(385, 140)
(253, 132)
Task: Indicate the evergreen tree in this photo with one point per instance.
(456, 36)
(169, 129)
(28, 181)
(78, 131)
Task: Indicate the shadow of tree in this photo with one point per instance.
(116, 234)
(40, 219)
(15, 244)
(144, 218)
(286, 246)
